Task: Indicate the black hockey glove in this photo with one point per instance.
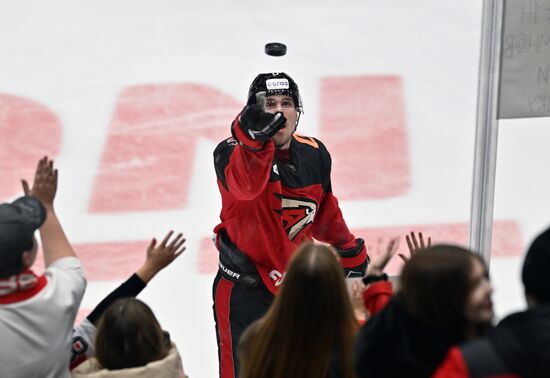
(259, 125)
(354, 260)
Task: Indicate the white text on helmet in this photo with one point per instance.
(273, 84)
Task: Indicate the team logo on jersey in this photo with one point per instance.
(277, 277)
(297, 213)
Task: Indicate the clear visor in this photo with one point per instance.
(274, 102)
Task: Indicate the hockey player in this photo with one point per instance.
(276, 193)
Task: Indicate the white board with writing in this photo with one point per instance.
(525, 60)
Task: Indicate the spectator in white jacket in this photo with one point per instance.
(130, 343)
(37, 313)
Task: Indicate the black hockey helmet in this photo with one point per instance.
(275, 83)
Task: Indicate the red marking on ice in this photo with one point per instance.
(207, 262)
(28, 131)
(111, 261)
(363, 125)
(148, 159)
(81, 315)
(507, 242)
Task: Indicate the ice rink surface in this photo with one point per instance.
(131, 97)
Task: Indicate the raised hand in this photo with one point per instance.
(415, 245)
(45, 182)
(379, 260)
(260, 125)
(54, 242)
(382, 255)
(160, 256)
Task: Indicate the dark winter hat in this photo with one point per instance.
(536, 268)
(18, 221)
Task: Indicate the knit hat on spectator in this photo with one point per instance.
(18, 221)
(536, 268)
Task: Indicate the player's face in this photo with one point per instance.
(479, 307)
(284, 104)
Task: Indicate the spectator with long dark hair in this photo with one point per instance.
(445, 299)
(519, 346)
(309, 329)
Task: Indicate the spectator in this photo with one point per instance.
(37, 312)
(158, 257)
(309, 329)
(520, 345)
(445, 299)
(131, 343)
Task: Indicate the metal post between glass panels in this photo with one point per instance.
(483, 188)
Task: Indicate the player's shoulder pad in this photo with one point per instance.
(225, 145)
(222, 154)
(306, 140)
(314, 144)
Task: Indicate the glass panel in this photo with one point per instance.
(522, 188)
(131, 98)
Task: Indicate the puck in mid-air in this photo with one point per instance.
(275, 49)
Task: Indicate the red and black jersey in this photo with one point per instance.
(270, 205)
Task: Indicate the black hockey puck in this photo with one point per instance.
(275, 49)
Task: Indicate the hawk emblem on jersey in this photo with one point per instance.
(297, 213)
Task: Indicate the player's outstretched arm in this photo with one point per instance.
(244, 165)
